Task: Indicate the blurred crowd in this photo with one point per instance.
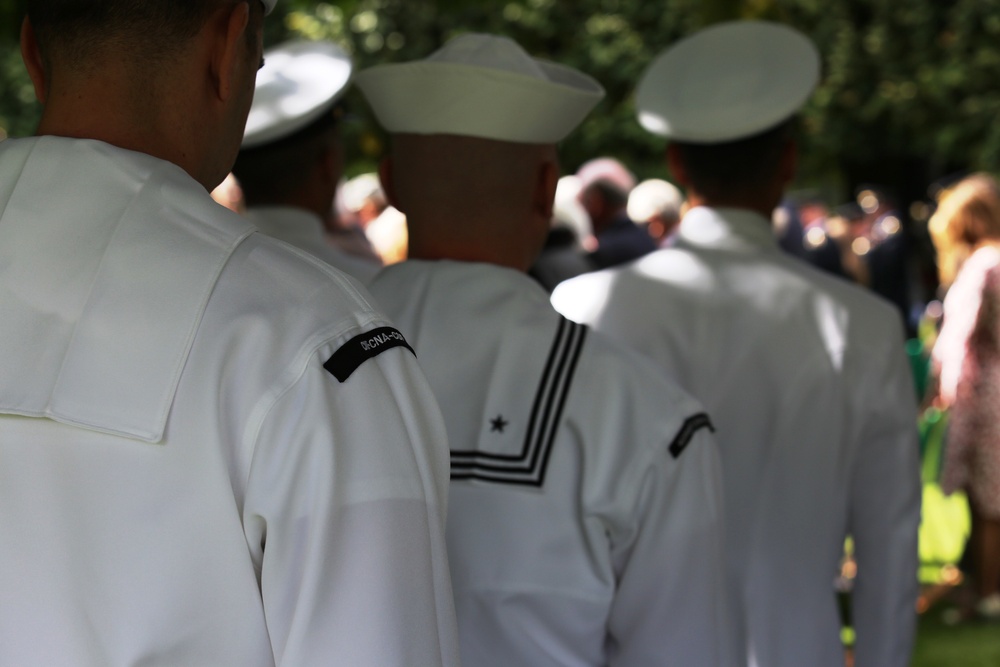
(605, 217)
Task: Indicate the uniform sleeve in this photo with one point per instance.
(884, 517)
(344, 516)
(670, 607)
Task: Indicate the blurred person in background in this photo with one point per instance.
(801, 223)
(656, 205)
(359, 202)
(584, 524)
(966, 232)
(605, 184)
(564, 254)
(229, 194)
(882, 243)
(291, 160)
(389, 236)
(805, 374)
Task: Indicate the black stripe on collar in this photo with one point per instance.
(528, 467)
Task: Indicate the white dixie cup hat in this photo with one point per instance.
(299, 82)
(728, 82)
(482, 86)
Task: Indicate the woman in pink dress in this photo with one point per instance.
(966, 232)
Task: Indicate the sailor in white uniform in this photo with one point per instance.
(291, 159)
(585, 524)
(804, 374)
(215, 450)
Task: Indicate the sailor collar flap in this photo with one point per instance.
(107, 261)
(525, 354)
(730, 229)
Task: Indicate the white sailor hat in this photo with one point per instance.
(483, 86)
(728, 82)
(299, 82)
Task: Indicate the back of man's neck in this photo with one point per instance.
(763, 209)
(105, 113)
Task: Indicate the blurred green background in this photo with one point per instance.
(908, 94)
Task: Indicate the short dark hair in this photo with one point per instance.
(614, 196)
(743, 167)
(78, 29)
(270, 173)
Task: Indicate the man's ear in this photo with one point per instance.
(388, 186)
(32, 57)
(547, 179)
(675, 163)
(228, 48)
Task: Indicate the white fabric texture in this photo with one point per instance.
(806, 379)
(597, 547)
(304, 230)
(281, 518)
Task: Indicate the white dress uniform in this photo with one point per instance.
(207, 460)
(808, 385)
(304, 230)
(584, 524)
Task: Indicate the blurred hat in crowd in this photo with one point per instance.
(608, 171)
(728, 82)
(361, 189)
(654, 198)
(482, 86)
(299, 82)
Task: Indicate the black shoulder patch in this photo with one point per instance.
(691, 426)
(361, 348)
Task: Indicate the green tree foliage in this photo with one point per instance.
(909, 85)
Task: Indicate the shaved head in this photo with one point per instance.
(466, 197)
(76, 32)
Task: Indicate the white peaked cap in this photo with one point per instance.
(300, 81)
(483, 86)
(728, 82)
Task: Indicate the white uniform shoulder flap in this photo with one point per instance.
(107, 260)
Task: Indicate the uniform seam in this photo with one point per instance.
(294, 372)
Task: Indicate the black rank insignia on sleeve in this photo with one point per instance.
(361, 348)
(692, 425)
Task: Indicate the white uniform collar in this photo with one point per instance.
(506, 335)
(733, 229)
(107, 260)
